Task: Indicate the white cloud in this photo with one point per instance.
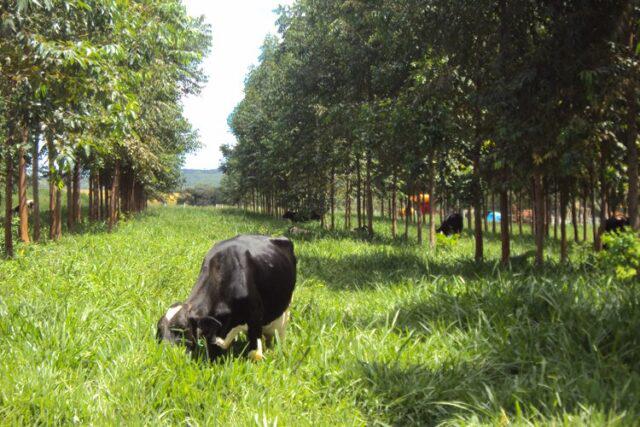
(239, 28)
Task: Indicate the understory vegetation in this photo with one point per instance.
(382, 332)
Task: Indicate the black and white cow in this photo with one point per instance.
(245, 284)
(30, 203)
(451, 225)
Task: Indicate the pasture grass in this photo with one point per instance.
(382, 333)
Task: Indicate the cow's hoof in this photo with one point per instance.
(256, 355)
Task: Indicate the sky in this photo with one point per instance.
(239, 28)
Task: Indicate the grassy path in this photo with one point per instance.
(380, 333)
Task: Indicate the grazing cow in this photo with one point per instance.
(451, 225)
(616, 224)
(16, 210)
(245, 284)
(294, 216)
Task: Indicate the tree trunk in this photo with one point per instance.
(584, 219)
(539, 217)
(103, 197)
(574, 221)
(22, 188)
(8, 212)
(504, 226)
(432, 203)
(369, 196)
(520, 214)
(394, 208)
(55, 198)
(333, 199)
(594, 223)
(547, 213)
(485, 214)
(77, 214)
(478, 206)
(91, 195)
(35, 186)
(493, 211)
(347, 205)
(632, 161)
(563, 224)
(113, 200)
(603, 201)
(555, 216)
(419, 221)
(358, 192)
(407, 217)
(69, 184)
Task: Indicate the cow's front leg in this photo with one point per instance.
(255, 342)
(231, 336)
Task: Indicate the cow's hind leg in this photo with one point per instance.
(278, 327)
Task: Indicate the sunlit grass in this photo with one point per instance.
(381, 332)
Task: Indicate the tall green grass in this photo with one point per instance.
(382, 333)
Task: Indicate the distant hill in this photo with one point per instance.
(201, 178)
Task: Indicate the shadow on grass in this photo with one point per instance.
(383, 266)
(532, 347)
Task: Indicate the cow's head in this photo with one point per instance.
(174, 327)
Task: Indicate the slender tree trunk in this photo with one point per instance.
(394, 208)
(510, 213)
(594, 222)
(419, 222)
(347, 205)
(8, 212)
(55, 197)
(369, 196)
(563, 224)
(103, 197)
(603, 201)
(69, 184)
(584, 219)
(555, 216)
(478, 206)
(22, 188)
(407, 217)
(77, 214)
(432, 203)
(113, 200)
(504, 226)
(493, 210)
(35, 186)
(91, 195)
(547, 213)
(520, 214)
(485, 214)
(539, 217)
(574, 220)
(358, 192)
(632, 160)
(333, 199)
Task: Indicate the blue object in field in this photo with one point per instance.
(496, 215)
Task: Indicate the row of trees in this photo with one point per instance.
(92, 88)
(534, 101)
